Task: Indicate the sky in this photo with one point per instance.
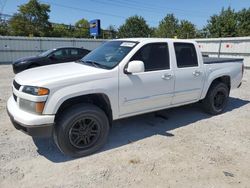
(115, 12)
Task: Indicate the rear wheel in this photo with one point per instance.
(216, 98)
(81, 130)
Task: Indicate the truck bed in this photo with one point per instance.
(211, 60)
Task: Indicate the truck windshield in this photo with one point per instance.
(109, 54)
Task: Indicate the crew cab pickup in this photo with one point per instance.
(76, 102)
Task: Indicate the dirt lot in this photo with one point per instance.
(181, 147)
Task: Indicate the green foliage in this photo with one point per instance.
(186, 30)
(224, 24)
(111, 32)
(202, 33)
(243, 18)
(168, 27)
(32, 19)
(171, 27)
(60, 30)
(81, 29)
(134, 26)
(4, 28)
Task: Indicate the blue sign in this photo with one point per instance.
(95, 27)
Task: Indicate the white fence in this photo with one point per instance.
(12, 48)
(238, 47)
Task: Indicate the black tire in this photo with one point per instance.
(81, 130)
(216, 98)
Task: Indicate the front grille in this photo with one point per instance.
(16, 85)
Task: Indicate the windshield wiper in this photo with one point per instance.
(94, 63)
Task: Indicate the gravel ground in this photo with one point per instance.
(180, 147)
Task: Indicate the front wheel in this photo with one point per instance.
(81, 130)
(216, 98)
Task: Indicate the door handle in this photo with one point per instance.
(197, 73)
(167, 76)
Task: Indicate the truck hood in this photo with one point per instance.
(64, 72)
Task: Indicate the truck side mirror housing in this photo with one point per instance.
(135, 67)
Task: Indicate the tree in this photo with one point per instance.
(81, 29)
(134, 26)
(60, 30)
(186, 30)
(32, 19)
(4, 28)
(202, 33)
(243, 18)
(168, 27)
(223, 25)
(112, 32)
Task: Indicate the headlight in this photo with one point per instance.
(30, 106)
(35, 90)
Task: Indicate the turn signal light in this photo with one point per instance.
(43, 91)
(40, 107)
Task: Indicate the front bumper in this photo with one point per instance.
(31, 124)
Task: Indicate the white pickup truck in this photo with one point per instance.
(76, 102)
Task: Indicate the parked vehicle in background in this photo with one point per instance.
(50, 57)
(77, 102)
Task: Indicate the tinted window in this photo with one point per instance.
(83, 51)
(61, 54)
(155, 56)
(185, 55)
(74, 52)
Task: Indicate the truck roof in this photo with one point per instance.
(156, 40)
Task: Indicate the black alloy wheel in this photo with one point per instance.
(84, 132)
(219, 99)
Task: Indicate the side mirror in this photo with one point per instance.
(135, 67)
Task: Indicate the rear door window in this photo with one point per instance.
(74, 52)
(186, 55)
(61, 53)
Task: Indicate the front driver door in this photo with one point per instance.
(149, 90)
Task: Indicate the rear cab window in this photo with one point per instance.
(186, 55)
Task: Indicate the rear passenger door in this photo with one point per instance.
(189, 74)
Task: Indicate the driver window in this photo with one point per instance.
(60, 54)
(155, 56)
